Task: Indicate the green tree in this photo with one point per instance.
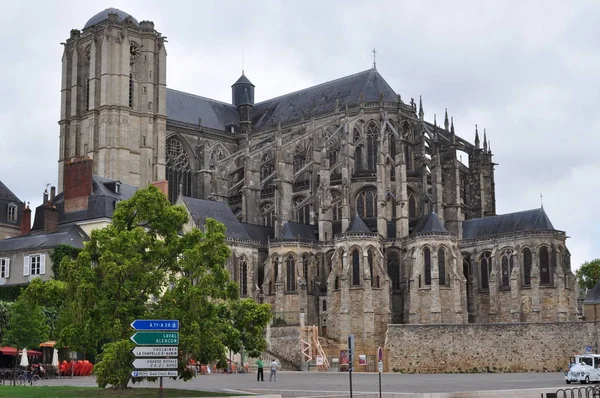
(27, 326)
(4, 316)
(251, 319)
(588, 274)
(59, 253)
(142, 258)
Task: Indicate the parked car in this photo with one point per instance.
(583, 368)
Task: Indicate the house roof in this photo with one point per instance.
(6, 194)
(201, 209)
(528, 220)
(358, 225)
(189, 108)
(321, 99)
(71, 235)
(593, 295)
(429, 224)
(101, 203)
(295, 230)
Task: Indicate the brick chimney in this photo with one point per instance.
(50, 218)
(77, 184)
(162, 186)
(26, 220)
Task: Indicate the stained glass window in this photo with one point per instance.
(178, 170)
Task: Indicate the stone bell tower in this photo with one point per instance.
(113, 99)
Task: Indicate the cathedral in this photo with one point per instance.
(345, 207)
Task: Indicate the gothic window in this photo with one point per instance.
(412, 207)
(370, 261)
(267, 212)
(427, 263)
(356, 136)
(407, 158)
(442, 265)
(244, 279)
(303, 214)
(275, 269)
(336, 284)
(336, 205)
(377, 285)
(393, 269)
(358, 164)
(466, 269)
(299, 158)
(268, 189)
(406, 132)
(486, 267)
(12, 212)
(305, 268)
(372, 146)
(324, 305)
(302, 182)
(366, 206)
(355, 268)
(527, 267)
(290, 274)
(392, 147)
(544, 266)
(216, 155)
(333, 151)
(179, 174)
(505, 272)
(267, 166)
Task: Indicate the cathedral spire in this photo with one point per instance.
(476, 138)
(452, 125)
(446, 124)
(421, 112)
(485, 144)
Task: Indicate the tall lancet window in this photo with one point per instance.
(178, 170)
(372, 151)
(427, 265)
(244, 279)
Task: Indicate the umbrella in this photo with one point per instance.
(24, 360)
(55, 358)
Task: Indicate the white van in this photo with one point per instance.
(583, 368)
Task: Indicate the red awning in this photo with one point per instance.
(8, 350)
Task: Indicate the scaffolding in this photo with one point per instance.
(311, 347)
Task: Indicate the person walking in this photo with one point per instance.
(274, 366)
(260, 376)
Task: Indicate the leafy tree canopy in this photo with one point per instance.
(588, 274)
(27, 326)
(141, 266)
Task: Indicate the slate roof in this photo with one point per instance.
(201, 209)
(6, 194)
(321, 99)
(429, 224)
(593, 295)
(295, 230)
(71, 235)
(259, 233)
(103, 16)
(101, 203)
(189, 108)
(528, 220)
(358, 225)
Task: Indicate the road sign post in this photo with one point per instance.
(380, 366)
(350, 359)
(159, 340)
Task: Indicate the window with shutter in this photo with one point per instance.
(42, 264)
(7, 268)
(25, 265)
(3, 267)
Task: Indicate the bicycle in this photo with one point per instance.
(28, 377)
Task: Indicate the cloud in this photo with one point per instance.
(527, 71)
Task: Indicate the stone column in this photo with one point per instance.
(279, 287)
(436, 307)
(493, 289)
(345, 327)
(414, 315)
(515, 290)
(457, 284)
(401, 195)
(474, 303)
(368, 315)
(536, 304)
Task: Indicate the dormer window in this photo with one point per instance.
(12, 212)
(117, 187)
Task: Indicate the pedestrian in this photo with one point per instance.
(274, 366)
(260, 376)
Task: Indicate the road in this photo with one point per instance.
(289, 383)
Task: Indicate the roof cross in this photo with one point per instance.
(374, 61)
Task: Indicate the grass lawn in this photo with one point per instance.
(94, 392)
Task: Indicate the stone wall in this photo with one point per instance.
(284, 343)
(512, 347)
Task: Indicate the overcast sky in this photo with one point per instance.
(527, 71)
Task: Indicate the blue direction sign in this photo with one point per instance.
(155, 324)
